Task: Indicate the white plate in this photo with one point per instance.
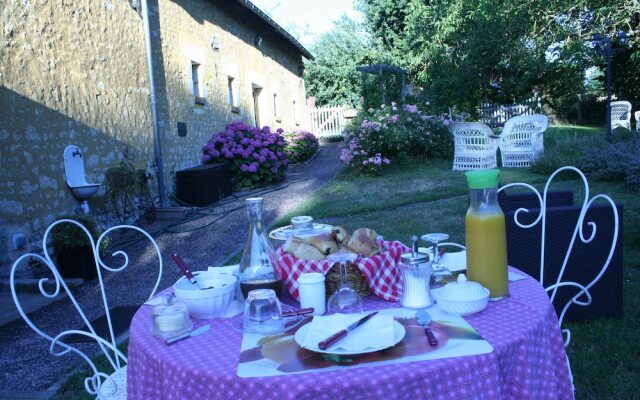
(284, 232)
(398, 335)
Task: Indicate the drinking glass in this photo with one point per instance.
(345, 300)
(439, 272)
(262, 312)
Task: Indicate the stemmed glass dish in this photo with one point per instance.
(345, 300)
(439, 272)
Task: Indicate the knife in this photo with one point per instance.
(187, 272)
(194, 332)
(325, 344)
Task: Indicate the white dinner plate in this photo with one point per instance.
(454, 261)
(285, 232)
(398, 335)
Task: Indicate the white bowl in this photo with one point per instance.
(462, 308)
(207, 303)
(462, 297)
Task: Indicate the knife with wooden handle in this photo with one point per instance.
(328, 342)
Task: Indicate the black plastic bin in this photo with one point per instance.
(203, 185)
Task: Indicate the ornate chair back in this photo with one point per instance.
(620, 114)
(521, 140)
(584, 231)
(475, 148)
(100, 384)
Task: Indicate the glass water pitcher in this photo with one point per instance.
(259, 265)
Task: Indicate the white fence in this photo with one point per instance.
(327, 120)
(497, 114)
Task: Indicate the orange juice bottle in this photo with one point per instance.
(485, 233)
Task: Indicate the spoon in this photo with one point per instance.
(423, 318)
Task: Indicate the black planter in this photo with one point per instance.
(76, 262)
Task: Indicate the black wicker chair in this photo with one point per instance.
(585, 261)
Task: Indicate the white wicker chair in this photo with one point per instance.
(521, 140)
(475, 148)
(103, 385)
(620, 114)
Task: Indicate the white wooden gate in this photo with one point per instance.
(327, 120)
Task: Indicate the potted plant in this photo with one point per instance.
(72, 248)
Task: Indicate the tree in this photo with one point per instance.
(332, 77)
(467, 51)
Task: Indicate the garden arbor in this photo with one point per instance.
(380, 70)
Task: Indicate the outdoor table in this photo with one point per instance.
(528, 362)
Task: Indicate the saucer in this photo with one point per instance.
(285, 232)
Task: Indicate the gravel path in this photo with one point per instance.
(209, 240)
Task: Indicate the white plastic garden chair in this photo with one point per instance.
(521, 140)
(101, 384)
(620, 114)
(475, 146)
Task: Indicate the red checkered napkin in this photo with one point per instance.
(381, 271)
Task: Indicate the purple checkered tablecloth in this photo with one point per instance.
(528, 362)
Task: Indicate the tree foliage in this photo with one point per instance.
(467, 51)
(332, 77)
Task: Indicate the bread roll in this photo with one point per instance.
(302, 250)
(324, 243)
(363, 242)
(340, 235)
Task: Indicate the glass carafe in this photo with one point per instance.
(486, 234)
(259, 266)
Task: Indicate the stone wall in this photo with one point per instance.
(75, 72)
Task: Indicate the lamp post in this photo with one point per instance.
(605, 40)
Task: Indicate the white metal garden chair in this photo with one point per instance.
(620, 114)
(580, 232)
(637, 115)
(475, 146)
(521, 140)
(103, 385)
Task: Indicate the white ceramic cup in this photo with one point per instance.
(312, 292)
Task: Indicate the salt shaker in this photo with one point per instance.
(416, 272)
(312, 292)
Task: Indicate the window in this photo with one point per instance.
(196, 78)
(232, 94)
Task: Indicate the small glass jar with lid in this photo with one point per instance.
(170, 318)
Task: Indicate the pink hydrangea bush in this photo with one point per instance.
(300, 146)
(381, 136)
(255, 156)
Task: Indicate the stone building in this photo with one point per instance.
(76, 73)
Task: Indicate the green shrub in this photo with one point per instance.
(300, 146)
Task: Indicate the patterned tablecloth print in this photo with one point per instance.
(528, 362)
